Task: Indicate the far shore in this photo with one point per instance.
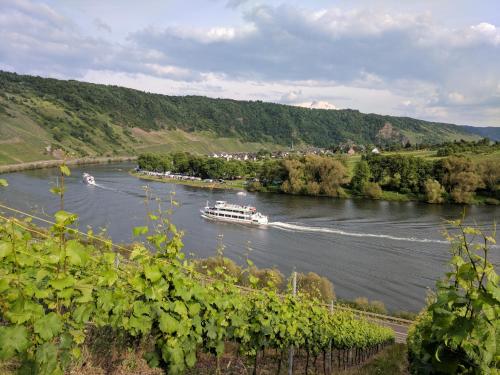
(234, 185)
(388, 196)
(56, 162)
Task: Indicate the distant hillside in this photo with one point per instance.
(90, 119)
(490, 132)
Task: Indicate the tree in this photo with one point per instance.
(316, 286)
(362, 175)
(372, 190)
(460, 178)
(434, 191)
(330, 174)
(294, 182)
(272, 171)
(490, 173)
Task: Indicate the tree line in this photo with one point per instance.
(456, 147)
(197, 165)
(452, 179)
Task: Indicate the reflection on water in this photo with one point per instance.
(390, 251)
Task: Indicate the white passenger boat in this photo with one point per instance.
(233, 212)
(88, 179)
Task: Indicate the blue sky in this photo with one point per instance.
(436, 60)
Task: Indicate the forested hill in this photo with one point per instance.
(491, 132)
(90, 119)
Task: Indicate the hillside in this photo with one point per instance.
(89, 119)
(490, 132)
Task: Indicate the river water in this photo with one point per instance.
(389, 251)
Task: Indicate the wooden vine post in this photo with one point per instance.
(290, 351)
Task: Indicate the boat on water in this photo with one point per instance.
(234, 213)
(88, 179)
(241, 193)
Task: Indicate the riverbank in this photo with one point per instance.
(388, 196)
(230, 184)
(56, 162)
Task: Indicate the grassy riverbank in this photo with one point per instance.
(232, 184)
(56, 162)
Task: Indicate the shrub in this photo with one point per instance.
(372, 190)
(459, 330)
(316, 286)
(361, 176)
(434, 191)
(211, 266)
(270, 278)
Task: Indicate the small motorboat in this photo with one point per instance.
(88, 179)
(241, 193)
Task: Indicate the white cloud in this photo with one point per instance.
(317, 104)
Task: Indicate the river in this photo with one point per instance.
(388, 251)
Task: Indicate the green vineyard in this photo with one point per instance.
(55, 284)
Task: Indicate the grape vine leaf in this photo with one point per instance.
(13, 339)
(48, 326)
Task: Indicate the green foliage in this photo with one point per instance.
(406, 174)
(362, 303)
(457, 147)
(434, 192)
(362, 175)
(459, 330)
(372, 190)
(490, 172)
(316, 286)
(197, 165)
(458, 176)
(314, 175)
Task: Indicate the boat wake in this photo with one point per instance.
(302, 228)
(106, 187)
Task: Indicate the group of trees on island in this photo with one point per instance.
(454, 178)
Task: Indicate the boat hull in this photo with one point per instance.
(231, 220)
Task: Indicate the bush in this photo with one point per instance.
(372, 190)
(459, 330)
(270, 278)
(434, 192)
(361, 176)
(408, 315)
(377, 307)
(254, 186)
(316, 286)
(214, 265)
